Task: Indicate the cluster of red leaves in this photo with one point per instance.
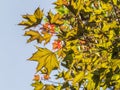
(38, 78)
(47, 27)
(57, 44)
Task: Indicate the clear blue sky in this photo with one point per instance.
(16, 72)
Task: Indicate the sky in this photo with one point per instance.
(16, 73)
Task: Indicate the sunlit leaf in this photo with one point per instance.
(116, 77)
(47, 37)
(37, 85)
(45, 58)
(32, 20)
(49, 87)
(115, 2)
(77, 6)
(34, 35)
(55, 19)
(78, 77)
(61, 53)
(58, 2)
(67, 75)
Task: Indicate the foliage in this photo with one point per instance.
(86, 49)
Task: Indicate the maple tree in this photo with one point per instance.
(86, 48)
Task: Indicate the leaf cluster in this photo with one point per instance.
(87, 48)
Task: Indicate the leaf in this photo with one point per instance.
(37, 85)
(38, 14)
(60, 2)
(47, 37)
(77, 5)
(106, 6)
(90, 85)
(49, 87)
(32, 20)
(34, 35)
(61, 53)
(46, 59)
(67, 75)
(115, 2)
(55, 19)
(59, 87)
(106, 26)
(62, 10)
(78, 77)
(115, 77)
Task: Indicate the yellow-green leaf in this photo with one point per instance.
(32, 20)
(37, 85)
(77, 5)
(38, 14)
(46, 59)
(34, 35)
(55, 19)
(49, 87)
(59, 2)
(90, 85)
(26, 23)
(115, 2)
(116, 77)
(47, 37)
(78, 77)
(61, 53)
(67, 75)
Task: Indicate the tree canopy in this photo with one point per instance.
(86, 45)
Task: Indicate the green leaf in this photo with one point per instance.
(46, 59)
(62, 10)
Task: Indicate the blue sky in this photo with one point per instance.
(16, 72)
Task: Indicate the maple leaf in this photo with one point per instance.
(34, 35)
(32, 20)
(78, 77)
(49, 87)
(55, 19)
(47, 37)
(38, 85)
(46, 59)
(61, 2)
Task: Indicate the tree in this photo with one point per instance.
(86, 47)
